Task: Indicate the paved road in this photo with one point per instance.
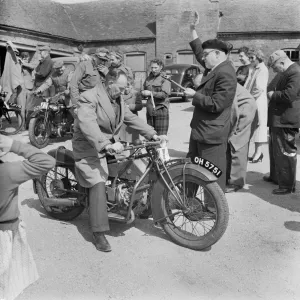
(257, 258)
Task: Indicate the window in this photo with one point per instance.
(185, 57)
(168, 58)
(171, 71)
(293, 54)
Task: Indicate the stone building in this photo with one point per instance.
(144, 29)
(267, 24)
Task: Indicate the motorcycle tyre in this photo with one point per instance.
(67, 216)
(221, 223)
(20, 126)
(32, 137)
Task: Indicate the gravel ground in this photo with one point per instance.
(257, 258)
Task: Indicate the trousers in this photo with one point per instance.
(283, 156)
(237, 165)
(215, 153)
(98, 208)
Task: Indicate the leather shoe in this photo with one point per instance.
(232, 188)
(283, 191)
(269, 179)
(101, 242)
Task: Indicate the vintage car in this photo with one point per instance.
(182, 74)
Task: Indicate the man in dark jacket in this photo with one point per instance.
(212, 100)
(283, 122)
(89, 73)
(41, 73)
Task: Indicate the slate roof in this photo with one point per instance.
(260, 15)
(90, 21)
(113, 19)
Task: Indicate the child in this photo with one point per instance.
(17, 267)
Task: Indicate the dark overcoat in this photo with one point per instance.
(284, 105)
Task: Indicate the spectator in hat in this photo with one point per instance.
(243, 71)
(88, 73)
(116, 63)
(243, 112)
(283, 122)
(40, 74)
(256, 84)
(212, 101)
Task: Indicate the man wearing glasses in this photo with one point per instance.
(283, 122)
(212, 100)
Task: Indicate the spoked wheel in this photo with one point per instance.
(11, 121)
(52, 188)
(39, 132)
(202, 219)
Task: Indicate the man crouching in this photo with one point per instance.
(100, 114)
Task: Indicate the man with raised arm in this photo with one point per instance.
(212, 100)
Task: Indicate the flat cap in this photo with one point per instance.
(215, 44)
(102, 53)
(45, 48)
(117, 54)
(278, 54)
(58, 64)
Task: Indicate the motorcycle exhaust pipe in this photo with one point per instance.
(61, 201)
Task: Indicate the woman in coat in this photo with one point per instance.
(256, 84)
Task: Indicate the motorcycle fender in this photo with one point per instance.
(36, 113)
(63, 156)
(175, 171)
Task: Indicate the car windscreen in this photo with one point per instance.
(171, 71)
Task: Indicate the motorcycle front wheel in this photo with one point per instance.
(202, 219)
(48, 186)
(39, 133)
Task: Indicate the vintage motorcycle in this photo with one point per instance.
(183, 196)
(50, 120)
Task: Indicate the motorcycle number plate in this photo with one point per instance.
(208, 166)
(44, 105)
(163, 153)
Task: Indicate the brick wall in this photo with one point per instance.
(173, 34)
(268, 43)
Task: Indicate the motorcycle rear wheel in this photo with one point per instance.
(11, 121)
(65, 179)
(204, 219)
(39, 136)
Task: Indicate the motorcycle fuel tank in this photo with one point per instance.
(130, 170)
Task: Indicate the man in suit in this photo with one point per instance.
(244, 111)
(40, 74)
(283, 122)
(212, 100)
(100, 114)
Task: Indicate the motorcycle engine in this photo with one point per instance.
(123, 195)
